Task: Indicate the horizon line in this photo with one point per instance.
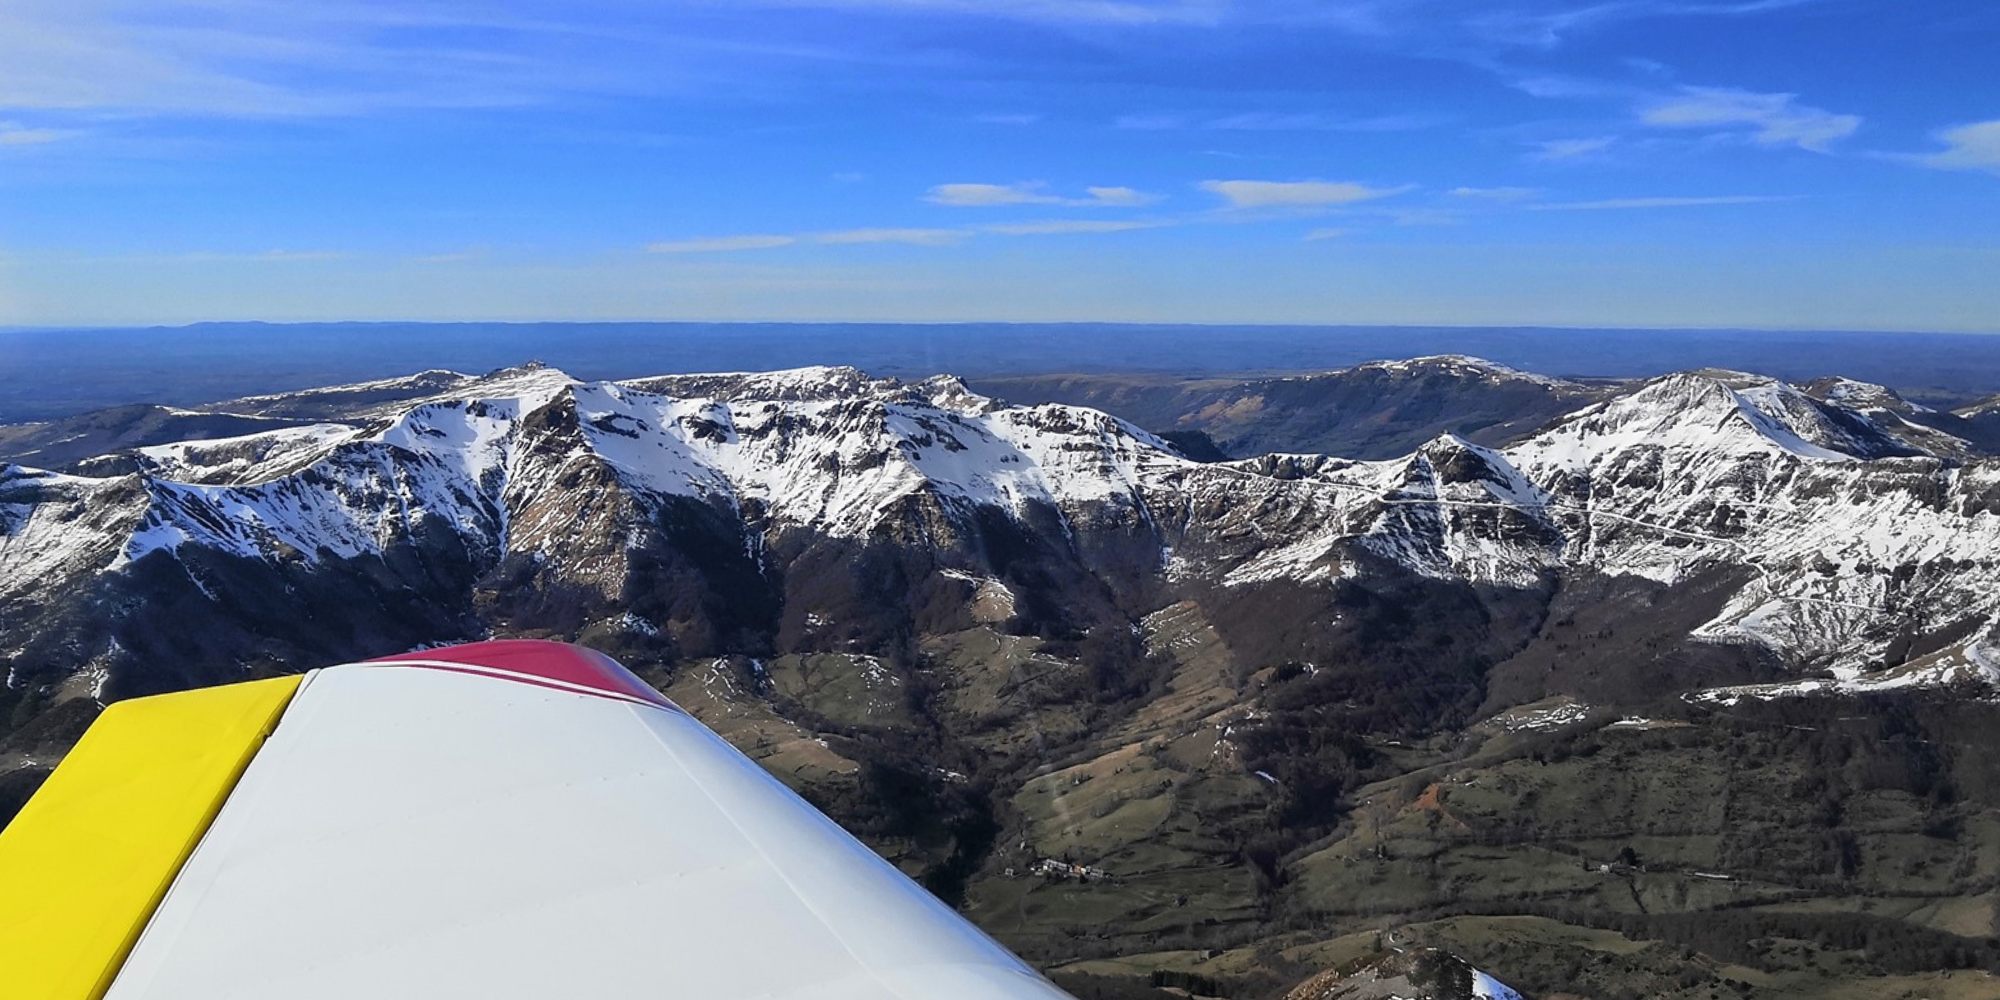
(1158, 324)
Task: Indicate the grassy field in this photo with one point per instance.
(1674, 850)
(1704, 859)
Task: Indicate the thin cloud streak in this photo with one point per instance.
(913, 237)
(1150, 123)
(1057, 227)
(16, 134)
(721, 244)
(1200, 13)
(220, 256)
(907, 236)
(1263, 121)
(1970, 147)
(1296, 194)
(243, 58)
(1772, 119)
(1496, 194)
(121, 55)
(998, 195)
(256, 59)
(1617, 204)
(1558, 150)
(460, 257)
(1372, 20)
(1276, 121)
(1547, 30)
(303, 255)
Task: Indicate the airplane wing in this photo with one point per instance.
(499, 820)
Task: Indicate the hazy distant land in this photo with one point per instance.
(49, 373)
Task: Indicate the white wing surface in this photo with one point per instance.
(527, 820)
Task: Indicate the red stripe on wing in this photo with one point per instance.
(567, 665)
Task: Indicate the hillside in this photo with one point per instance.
(1371, 411)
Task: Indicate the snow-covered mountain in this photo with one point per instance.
(722, 512)
(1697, 613)
(1850, 539)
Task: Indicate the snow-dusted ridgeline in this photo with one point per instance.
(1850, 532)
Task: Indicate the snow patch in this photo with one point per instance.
(1485, 987)
(1543, 719)
(1976, 663)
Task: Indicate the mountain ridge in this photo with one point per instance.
(1717, 462)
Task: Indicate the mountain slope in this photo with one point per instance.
(1375, 411)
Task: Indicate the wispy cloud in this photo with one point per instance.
(721, 244)
(907, 236)
(1277, 121)
(1324, 234)
(1425, 217)
(458, 257)
(992, 195)
(1968, 147)
(274, 256)
(16, 134)
(1117, 199)
(1267, 121)
(1614, 204)
(303, 255)
(913, 237)
(1557, 150)
(1496, 194)
(1120, 197)
(987, 195)
(1296, 194)
(263, 59)
(1771, 119)
(232, 58)
(1107, 12)
(1539, 23)
(1057, 227)
(1552, 24)
(837, 237)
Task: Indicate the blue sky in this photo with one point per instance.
(1754, 163)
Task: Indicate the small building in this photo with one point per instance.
(1064, 869)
